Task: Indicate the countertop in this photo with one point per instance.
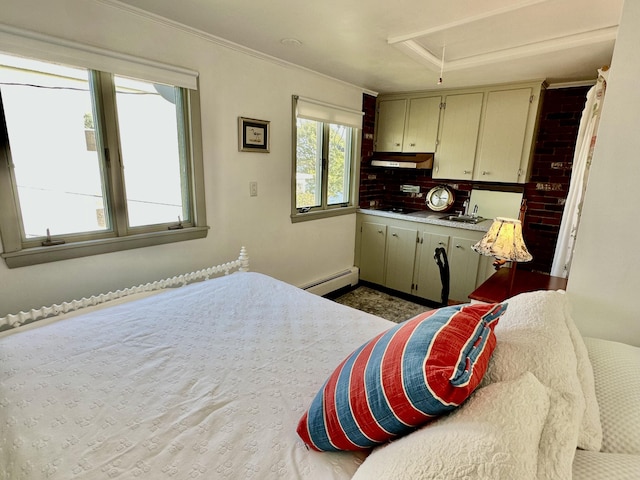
(427, 216)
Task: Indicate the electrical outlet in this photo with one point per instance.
(253, 189)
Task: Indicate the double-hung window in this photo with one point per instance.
(325, 158)
(94, 162)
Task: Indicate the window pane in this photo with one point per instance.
(339, 164)
(309, 163)
(49, 120)
(152, 153)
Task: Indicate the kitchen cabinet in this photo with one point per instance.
(428, 283)
(390, 125)
(408, 125)
(504, 149)
(482, 134)
(463, 267)
(398, 254)
(372, 252)
(423, 118)
(401, 254)
(456, 151)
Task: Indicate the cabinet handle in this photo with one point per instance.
(441, 243)
(458, 246)
(379, 231)
(394, 234)
(397, 144)
(466, 172)
(412, 144)
(485, 172)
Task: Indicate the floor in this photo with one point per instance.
(381, 304)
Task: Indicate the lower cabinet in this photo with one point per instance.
(372, 252)
(428, 283)
(399, 255)
(463, 268)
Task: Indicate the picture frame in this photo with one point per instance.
(253, 135)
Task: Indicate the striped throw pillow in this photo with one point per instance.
(403, 378)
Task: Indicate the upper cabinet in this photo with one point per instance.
(390, 125)
(408, 124)
(504, 148)
(483, 134)
(456, 152)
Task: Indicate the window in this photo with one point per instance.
(324, 166)
(96, 162)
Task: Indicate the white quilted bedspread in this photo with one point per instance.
(205, 382)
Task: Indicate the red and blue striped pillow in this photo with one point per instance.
(403, 378)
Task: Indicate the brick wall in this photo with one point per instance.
(545, 192)
(548, 185)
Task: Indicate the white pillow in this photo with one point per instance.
(533, 337)
(495, 434)
(616, 367)
(590, 435)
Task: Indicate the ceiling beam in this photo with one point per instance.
(434, 63)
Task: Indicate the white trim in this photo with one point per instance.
(427, 58)
(46, 47)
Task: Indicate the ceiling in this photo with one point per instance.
(385, 46)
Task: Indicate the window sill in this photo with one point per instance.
(317, 214)
(37, 255)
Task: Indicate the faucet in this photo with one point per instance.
(465, 205)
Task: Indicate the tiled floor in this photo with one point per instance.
(381, 304)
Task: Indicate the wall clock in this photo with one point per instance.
(440, 198)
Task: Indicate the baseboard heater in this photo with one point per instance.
(333, 282)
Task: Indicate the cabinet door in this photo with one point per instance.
(401, 254)
(390, 125)
(427, 282)
(502, 139)
(372, 251)
(456, 151)
(421, 133)
(463, 268)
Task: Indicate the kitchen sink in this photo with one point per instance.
(464, 218)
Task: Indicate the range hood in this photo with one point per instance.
(403, 160)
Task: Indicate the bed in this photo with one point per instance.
(211, 380)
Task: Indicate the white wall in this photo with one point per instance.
(232, 84)
(604, 283)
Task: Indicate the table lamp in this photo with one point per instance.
(504, 241)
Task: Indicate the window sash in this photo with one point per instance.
(19, 251)
(323, 114)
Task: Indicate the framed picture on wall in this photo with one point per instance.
(253, 135)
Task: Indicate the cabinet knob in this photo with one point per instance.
(412, 144)
(458, 246)
(397, 144)
(379, 231)
(485, 172)
(467, 172)
(394, 234)
(441, 243)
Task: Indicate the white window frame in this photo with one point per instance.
(325, 113)
(18, 252)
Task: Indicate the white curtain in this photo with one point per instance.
(585, 143)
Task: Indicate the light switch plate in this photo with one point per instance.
(253, 189)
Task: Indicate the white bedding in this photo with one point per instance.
(209, 382)
(209, 386)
